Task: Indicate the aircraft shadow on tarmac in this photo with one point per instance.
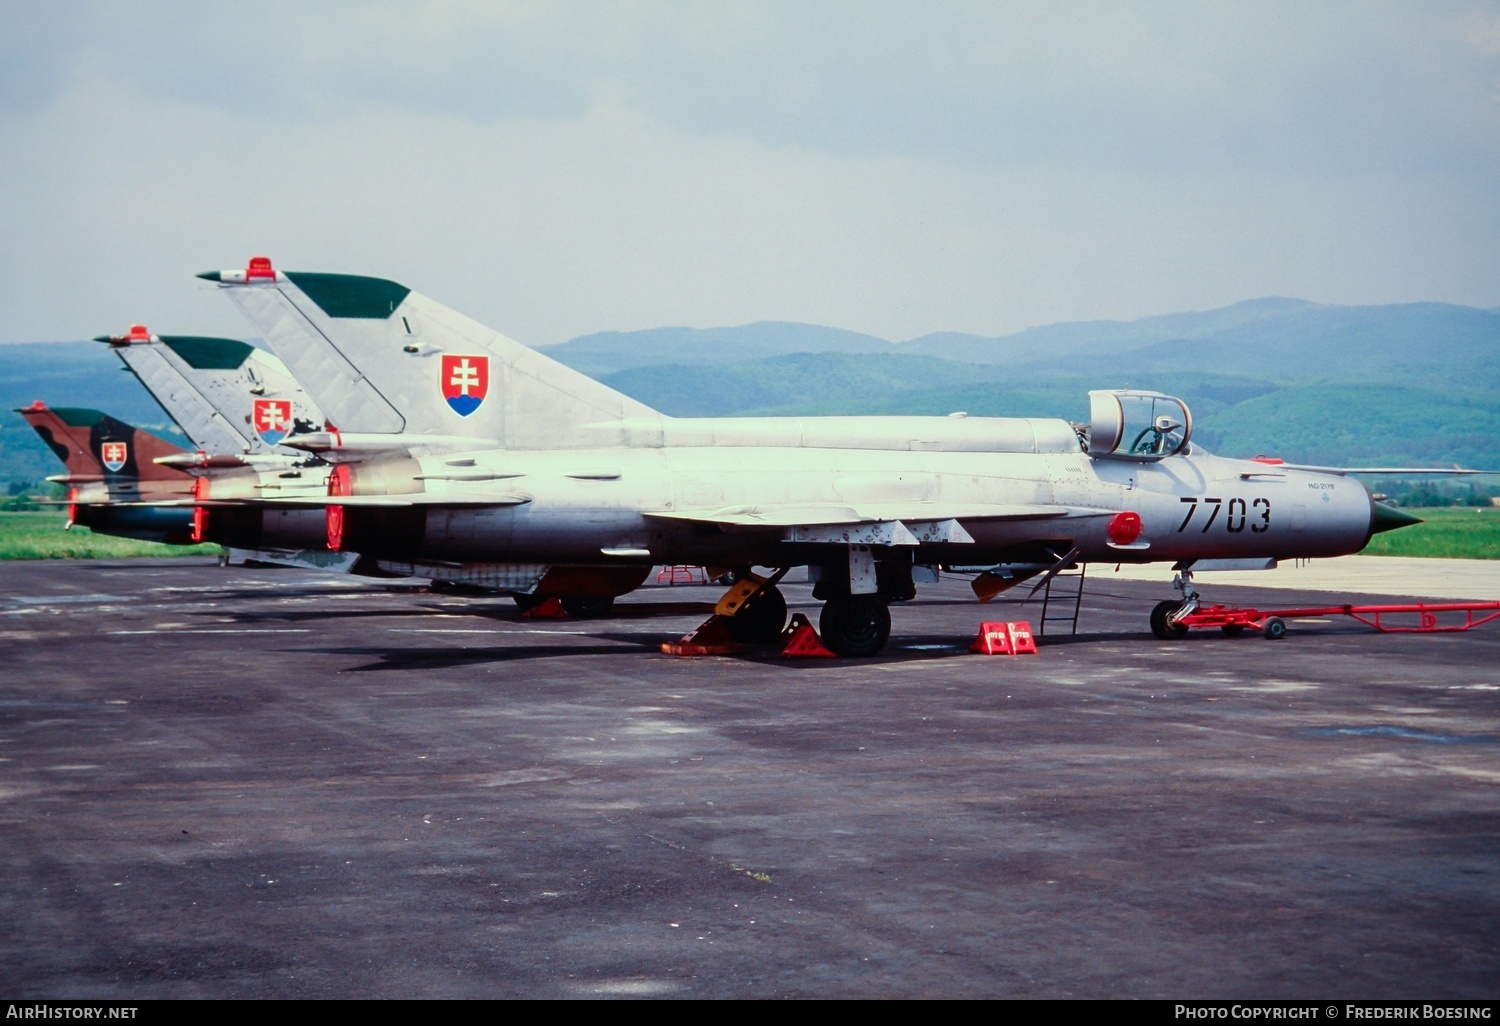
(901, 650)
(505, 612)
(432, 658)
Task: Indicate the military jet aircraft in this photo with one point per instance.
(237, 404)
(115, 486)
(460, 446)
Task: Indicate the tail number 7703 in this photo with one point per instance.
(1257, 514)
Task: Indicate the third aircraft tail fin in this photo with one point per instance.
(96, 447)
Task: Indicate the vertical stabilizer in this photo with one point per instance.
(96, 447)
(226, 395)
(380, 358)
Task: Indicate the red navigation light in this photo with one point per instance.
(1125, 528)
(200, 513)
(260, 267)
(37, 405)
(1271, 460)
(340, 482)
(138, 333)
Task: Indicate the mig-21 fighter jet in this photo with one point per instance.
(460, 447)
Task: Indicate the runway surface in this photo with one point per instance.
(266, 783)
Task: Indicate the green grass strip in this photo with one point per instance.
(1451, 532)
(41, 536)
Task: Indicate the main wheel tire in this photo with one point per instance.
(588, 607)
(761, 619)
(1159, 625)
(855, 625)
(1275, 629)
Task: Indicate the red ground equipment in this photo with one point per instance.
(1272, 622)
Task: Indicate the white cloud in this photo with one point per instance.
(554, 170)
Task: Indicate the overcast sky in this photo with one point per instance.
(558, 168)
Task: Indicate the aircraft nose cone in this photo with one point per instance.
(1388, 518)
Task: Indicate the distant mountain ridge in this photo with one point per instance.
(608, 351)
(1249, 335)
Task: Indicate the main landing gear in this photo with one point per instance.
(754, 612)
(753, 609)
(855, 625)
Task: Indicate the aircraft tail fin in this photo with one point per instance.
(383, 359)
(226, 395)
(96, 447)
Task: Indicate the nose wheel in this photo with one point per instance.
(1165, 616)
(1161, 620)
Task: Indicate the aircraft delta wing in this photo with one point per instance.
(114, 484)
(579, 480)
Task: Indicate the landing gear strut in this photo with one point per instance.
(1165, 615)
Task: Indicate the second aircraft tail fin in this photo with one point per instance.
(226, 395)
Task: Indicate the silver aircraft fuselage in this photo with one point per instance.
(711, 492)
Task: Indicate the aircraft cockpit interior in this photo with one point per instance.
(1132, 425)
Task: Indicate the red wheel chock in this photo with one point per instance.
(997, 637)
(711, 637)
(802, 641)
(549, 609)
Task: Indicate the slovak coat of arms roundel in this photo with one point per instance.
(272, 419)
(465, 381)
(114, 455)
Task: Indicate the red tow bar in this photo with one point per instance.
(1233, 620)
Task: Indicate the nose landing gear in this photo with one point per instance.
(1166, 616)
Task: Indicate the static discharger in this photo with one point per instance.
(998, 637)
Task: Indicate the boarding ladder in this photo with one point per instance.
(1070, 590)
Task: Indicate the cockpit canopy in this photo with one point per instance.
(1130, 425)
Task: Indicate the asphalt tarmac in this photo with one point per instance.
(267, 783)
